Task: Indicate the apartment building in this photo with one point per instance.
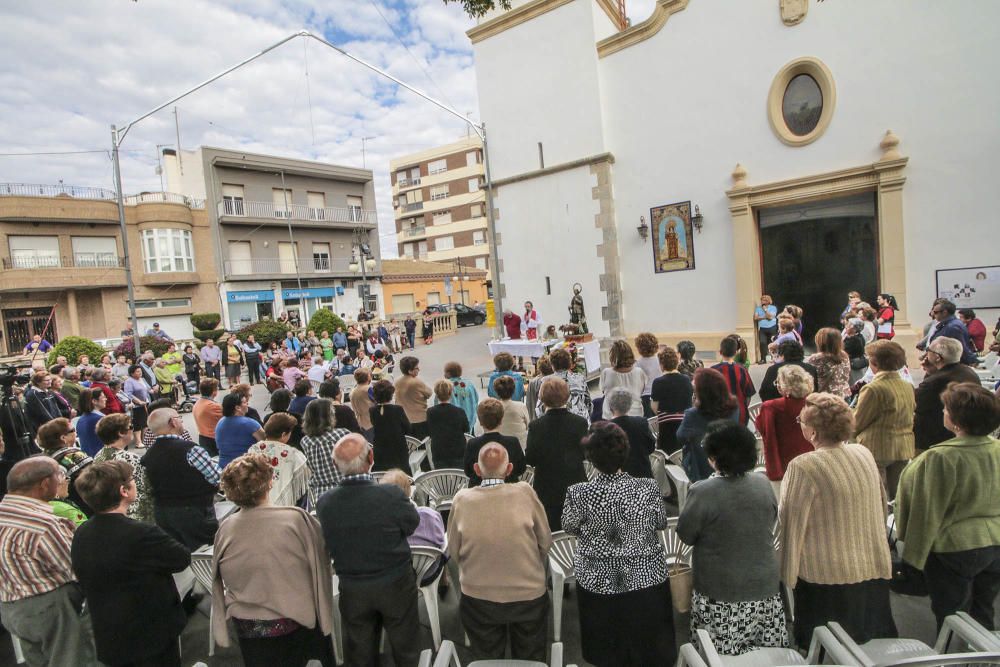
(64, 267)
(289, 235)
(440, 204)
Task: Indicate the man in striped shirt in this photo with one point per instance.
(40, 600)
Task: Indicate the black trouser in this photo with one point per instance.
(293, 650)
(764, 337)
(170, 656)
(487, 624)
(368, 607)
(213, 371)
(964, 581)
(208, 444)
(191, 526)
(253, 370)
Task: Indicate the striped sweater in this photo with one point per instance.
(832, 512)
(34, 548)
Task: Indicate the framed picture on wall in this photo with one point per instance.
(971, 287)
(673, 240)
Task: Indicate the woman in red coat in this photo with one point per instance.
(99, 380)
(778, 424)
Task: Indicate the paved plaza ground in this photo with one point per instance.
(469, 347)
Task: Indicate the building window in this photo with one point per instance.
(240, 260)
(163, 303)
(316, 201)
(477, 210)
(408, 250)
(481, 263)
(321, 256)
(439, 191)
(801, 101)
(34, 252)
(95, 251)
(479, 238)
(437, 166)
(441, 217)
(444, 243)
(354, 206)
(288, 257)
(232, 200)
(433, 298)
(422, 250)
(472, 158)
(167, 250)
(401, 180)
(473, 185)
(282, 202)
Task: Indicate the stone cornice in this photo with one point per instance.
(663, 10)
(514, 17)
(844, 181)
(554, 169)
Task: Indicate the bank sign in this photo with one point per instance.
(249, 296)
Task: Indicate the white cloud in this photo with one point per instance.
(76, 66)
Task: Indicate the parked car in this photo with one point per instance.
(465, 315)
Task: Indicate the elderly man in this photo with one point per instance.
(365, 526)
(40, 600)
(211, 356)
(37, 343)
(157, 332)
(184, 481)
(943, 367)
(71, 386)
(946, 325)
(500, 537)
(148, 366)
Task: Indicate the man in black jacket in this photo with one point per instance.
(792, 353)
(365, 526)
(944, 356)
(125, 568)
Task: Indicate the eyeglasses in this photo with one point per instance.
(72, 430)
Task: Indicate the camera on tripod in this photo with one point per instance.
(13, 374)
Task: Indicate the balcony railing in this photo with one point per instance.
(420, 230)
(413, 206)
(101, 194)
(274, 265)
(82, 260)
(258, 209)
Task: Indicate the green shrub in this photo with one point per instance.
(325, 320)
(264, 332)
(157, 345)
(205, 321)
(212, 333)
(73, 347)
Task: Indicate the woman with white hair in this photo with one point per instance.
(640, 440)
(778, 426)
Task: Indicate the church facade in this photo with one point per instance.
(682, 166)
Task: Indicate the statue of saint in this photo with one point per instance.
(577, 315)
(672, 241)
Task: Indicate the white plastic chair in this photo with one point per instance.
(448, 657)
(589, 468)
(881, 651)
(969, 630)
(201, 566)
(676, 457)
(658, 462)
(754, 412)
(439, 487)
(423, 559)
(822, 643)
(561, 570)
(528, 475)
(674, 548)
(223, 509)
(689, 657)
(18, 652)
(681, 481)
(417, 453)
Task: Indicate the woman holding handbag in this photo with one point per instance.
(887, 308)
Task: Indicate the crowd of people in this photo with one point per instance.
(120, 494)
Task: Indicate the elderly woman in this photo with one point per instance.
(137, 390)
(284, 617)
(515, 414)
(640, 441)
(412, 395)
(57, 439)
(115, 434)
(626, 616)
(883, 416)
(580, 403)
(647, 345)
(833, 506)
(672, 393)
(390, 426)
(291, 469)
(947, 509)
(543, 369)
(319, 426)
(712, 401)
(623, 373)
(99, 380)
(854, 346)
(832, 364)
(448, 426)
(729, 520)
(554, 448)
(778, 425)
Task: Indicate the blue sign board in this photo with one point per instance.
(255, 295)
(306, 293)
(340, 290)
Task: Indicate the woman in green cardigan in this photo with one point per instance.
(947, 511)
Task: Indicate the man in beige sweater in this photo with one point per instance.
(500, 537)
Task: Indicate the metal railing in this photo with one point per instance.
(100, 194)
(81, 260)
(312, 265)
(419, 230)
(413, 206)
(262, 209)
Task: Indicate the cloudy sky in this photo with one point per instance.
(74, 67)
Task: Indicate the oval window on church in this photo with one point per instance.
(801, 101)
(802, 105)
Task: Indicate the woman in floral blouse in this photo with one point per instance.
(290, 485)
(833, 366)
(115, 433)
(626, 616)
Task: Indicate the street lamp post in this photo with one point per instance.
(363, 262)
